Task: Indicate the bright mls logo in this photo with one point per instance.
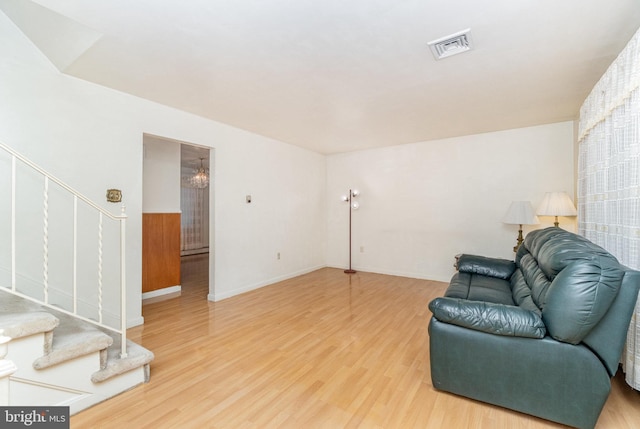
(34, 417)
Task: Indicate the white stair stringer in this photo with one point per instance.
(73, 364)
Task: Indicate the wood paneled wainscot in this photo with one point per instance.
(160, 251)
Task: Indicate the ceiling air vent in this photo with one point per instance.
(451, 45)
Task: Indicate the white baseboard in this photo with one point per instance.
(397, 273)
(135, 322)
(248, 288)
(161, 292)
(194, 251)
(229, 294)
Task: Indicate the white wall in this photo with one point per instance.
(161, 176)
(91, 137)
(423, 203)
(287, 214)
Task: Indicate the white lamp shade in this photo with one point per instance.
(556, 204)
(520, 213)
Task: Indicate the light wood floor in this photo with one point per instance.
(324, 350)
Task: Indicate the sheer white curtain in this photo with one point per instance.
(194, 204)
(609, 175)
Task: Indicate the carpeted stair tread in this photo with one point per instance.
(73, 339)
(18, 325)
(20, 317)
(137, 356)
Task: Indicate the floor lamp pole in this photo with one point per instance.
(350, 200)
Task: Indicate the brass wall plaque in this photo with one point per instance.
(114, 195)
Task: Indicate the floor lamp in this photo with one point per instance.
(353, 205)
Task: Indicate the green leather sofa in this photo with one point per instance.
(542, 335)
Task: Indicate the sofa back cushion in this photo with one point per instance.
(533, 279)
(554, 248)
(522, 292)
(571, 281)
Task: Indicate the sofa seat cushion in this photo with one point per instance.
(477, 287)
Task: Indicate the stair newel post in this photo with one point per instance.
(45, 244)
(100, 267)
(13, 223)
(75, 255)
(7, 368)
(123, 283)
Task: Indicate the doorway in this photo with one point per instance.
(177, 220)
(195, 195)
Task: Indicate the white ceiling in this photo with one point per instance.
(340, 75)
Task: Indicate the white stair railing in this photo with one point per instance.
(102, 214)
(7, 368)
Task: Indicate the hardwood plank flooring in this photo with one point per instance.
(323, 350)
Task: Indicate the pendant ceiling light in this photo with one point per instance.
(200, 178)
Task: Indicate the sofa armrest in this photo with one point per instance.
(492, 267)
(499, 319)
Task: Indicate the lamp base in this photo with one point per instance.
(519, 240)
(349, 271)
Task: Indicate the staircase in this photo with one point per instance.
(62, 334)
(62, 360)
